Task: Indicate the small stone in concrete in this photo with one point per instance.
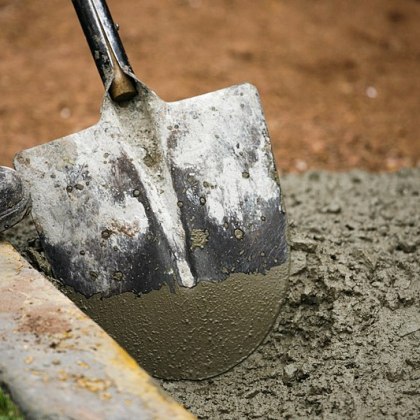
(299, 242)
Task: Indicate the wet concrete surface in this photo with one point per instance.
(215, 324)
(346, 342)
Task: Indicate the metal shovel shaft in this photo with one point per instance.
(106, 47)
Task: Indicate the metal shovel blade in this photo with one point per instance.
(165, 195)
(159, 193)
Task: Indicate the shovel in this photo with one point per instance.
(164, 220)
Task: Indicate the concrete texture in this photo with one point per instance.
(215, 324)
(346, 343)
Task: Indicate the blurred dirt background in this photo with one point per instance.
(339, 79)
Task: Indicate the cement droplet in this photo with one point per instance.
(202, 201)
(69, 188)
(263, 218)
(93, 275)
(106, 234)
(226, 225)
(117, 276)
(245, 175)
(239, 234)
(136, 193)
(199, 238)
(180, 204)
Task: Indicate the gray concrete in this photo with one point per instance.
(346, 344)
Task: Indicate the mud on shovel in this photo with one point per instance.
(164, 220)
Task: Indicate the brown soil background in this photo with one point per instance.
(339, 79)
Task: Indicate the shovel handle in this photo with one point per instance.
(106, 47)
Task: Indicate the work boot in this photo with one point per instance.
(14, 200)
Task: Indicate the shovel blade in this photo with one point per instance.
(160, 193)
(173, 213)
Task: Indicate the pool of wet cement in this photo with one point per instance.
(345, 344)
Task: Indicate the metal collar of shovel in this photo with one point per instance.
(164, 220)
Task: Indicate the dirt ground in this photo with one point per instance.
(339, 80)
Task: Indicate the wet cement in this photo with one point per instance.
(215, 324)
(346, 343)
